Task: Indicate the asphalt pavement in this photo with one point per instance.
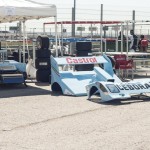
(35, 118)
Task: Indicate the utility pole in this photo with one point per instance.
(101, 15)
(101, 28)
(74, 9)
(20, 38)
(133, 19)
(72, 45)
(73, 18)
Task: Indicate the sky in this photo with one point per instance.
(87, 10)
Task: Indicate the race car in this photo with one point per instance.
(70, 75)
(100, 79)
(114, 90)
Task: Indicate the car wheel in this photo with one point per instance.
(42, 42)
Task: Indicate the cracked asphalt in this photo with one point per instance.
(34, 118)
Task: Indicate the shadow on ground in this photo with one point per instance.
(117, 102)
(19, 90)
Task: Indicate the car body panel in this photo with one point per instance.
(74, 82)
(100, 80)
(12, 72)
(115, 90)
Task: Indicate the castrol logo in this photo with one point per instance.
(81, 60)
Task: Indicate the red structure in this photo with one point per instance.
(84, 22)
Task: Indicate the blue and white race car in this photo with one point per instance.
(99, 78)
(66, 77)
(115, 90)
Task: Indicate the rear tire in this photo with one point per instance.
(42, 53)
(56, 88)
(42, 42)
(42, 63)
(83, 46)
(43, 75)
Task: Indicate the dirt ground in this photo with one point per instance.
(34, 118)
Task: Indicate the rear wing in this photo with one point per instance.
(79, 60)
(67, 61)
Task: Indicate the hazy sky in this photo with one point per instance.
(90, 10)
(95, 4)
